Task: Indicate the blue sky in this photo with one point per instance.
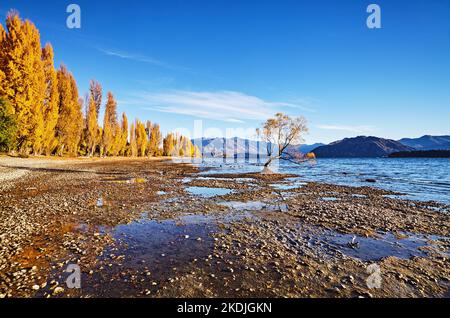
(233, 63)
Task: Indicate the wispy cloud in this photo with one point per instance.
(141, 59)
(353, 129)
(225, 106)
(306, 104)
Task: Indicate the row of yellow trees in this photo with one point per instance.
(41, 111)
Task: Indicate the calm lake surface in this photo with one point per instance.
(418, 178)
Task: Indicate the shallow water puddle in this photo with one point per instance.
(100, 203)
(149, 252)
(394, 196)
(359, 196)
(208, 192)
(295, 184)
(165, 243)
(329, 199)
(157, 237)
(373, 249)
(244, 206)
(186, 180)
(439, 209)
(281, 186)
(254, 206)
(242, 180)
(213, 179)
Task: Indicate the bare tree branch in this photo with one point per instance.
(282, 132)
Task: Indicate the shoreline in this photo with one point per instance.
(50, 217)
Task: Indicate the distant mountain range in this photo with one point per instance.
(218, 147)
(428, 142)
(229, 147)
(304, 148)
(362, 147)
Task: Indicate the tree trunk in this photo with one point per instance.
(267, 170)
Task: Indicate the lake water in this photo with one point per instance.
(418, 178)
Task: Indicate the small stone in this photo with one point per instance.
(36, 287)
(58, 290)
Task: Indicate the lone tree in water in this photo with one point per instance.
(279, 133)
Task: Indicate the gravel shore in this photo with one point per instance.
(153, 228)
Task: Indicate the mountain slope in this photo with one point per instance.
(304, 149)
(218, 147)
(214, 147)
(428, 142)
(360, 147)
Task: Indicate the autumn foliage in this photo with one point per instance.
(42, 112)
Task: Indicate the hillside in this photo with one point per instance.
(360, 147)
(428, 142)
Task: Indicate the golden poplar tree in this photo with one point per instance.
(175, 145)
(110, 126)
(155, 141)
(133, 141)
(23, 81)
(96, 92)
(2, 60)
(182, 147)
(77, 113)
(42, 110)
(141, 138)
(70, 120)
(148, 131)
(92, 131)
(169, 145)
(93, 134)
(118, 139)
(124, 134)
(51, 99)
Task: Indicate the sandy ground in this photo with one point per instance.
(144, 228)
